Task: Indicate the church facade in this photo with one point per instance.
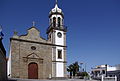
(33, 57)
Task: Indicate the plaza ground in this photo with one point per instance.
(50, 80)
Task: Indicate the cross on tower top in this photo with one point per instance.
(15, 32)
(56, 1)
(33, 23)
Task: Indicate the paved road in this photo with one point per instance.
(50, 80)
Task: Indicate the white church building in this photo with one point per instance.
(33, 57)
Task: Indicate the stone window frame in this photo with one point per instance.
(59, 53)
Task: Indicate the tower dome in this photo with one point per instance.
(56, 10)
(56, 19)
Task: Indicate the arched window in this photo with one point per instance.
(59, 21)
(54, 22)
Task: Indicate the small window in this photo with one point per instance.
(110, 75)
(33, 47)
(103, 71)
(54, 22)
(59, 21)
(59, 54)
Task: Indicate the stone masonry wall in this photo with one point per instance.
(21, 49)
(3, 66)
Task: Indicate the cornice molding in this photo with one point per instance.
(50, 44)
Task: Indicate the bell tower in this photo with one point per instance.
(57, 35)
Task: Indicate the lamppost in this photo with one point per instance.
(85, 72)
(106, 69)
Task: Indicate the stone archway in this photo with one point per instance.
(33, 71)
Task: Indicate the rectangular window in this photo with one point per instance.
(59, 54)
(103, 71)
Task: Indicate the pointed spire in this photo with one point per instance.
(56, 9)
(56, 4)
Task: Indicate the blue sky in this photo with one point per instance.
(93, 35)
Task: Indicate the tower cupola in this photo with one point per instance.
(56, 19)
(56, 10)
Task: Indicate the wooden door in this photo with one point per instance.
(33, 71)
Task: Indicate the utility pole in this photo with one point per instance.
(85, 72)
(106, 69)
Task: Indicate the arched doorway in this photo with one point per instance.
(33, 71)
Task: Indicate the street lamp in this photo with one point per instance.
(106, 69)
(85, 72)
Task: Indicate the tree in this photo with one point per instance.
(73, 69)
(70, 69)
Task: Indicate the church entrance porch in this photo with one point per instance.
(33, 71)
